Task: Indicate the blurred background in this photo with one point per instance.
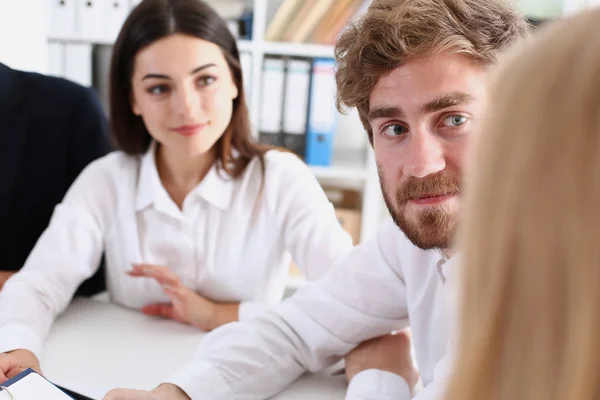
(286, 52)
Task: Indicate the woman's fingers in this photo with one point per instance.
(162, 274)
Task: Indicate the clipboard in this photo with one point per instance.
(29, 385)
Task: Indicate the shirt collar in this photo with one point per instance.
(216, 187)
(446, 266)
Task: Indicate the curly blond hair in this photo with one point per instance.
(394, 31)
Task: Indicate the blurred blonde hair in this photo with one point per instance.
(530, 309)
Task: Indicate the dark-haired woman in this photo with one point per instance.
(195, 220)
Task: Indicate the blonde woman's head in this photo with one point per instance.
(530, 316)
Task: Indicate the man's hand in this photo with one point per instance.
(4, 275)
(163, 392)
(388, 353)
(15, 362)
(186, 306)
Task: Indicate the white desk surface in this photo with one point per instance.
(96, 346)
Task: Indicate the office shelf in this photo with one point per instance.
(100, 41)
(350, 165)
(245, 46)
(340, 173)
(297, 49)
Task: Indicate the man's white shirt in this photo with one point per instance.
(377, 288)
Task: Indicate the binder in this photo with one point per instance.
(271, 110)
(283, 18)
(56, 59)
(63, 16)
(313, 18)
(89, 24)
(30, 385)
(101, 55)
(228, 9)
(134, 3)
(322, 117)
(295, 105)
(78, 63)
(116, 12)
(300, 18)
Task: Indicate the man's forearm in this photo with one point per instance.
(168, 391)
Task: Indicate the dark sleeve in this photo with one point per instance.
(88, 133)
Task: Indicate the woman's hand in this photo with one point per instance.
(186, 305)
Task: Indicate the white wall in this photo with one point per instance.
(23, 34)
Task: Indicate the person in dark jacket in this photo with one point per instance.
(50, 129)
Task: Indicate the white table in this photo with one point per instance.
(96, 346)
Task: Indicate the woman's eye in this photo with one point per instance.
(158, 90)
(395, 130)
(454, 121)
(206, 80)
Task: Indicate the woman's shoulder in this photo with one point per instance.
(278, 164)
(114, 169)
(285, 172)
(115, 162)
(102, 185)
(284, 162)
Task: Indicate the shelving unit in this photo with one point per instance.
(355, 167)
(298, 50)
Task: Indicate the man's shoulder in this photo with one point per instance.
(54, 90)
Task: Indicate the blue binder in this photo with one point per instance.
(322, 115)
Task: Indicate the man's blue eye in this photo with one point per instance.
(454, 121)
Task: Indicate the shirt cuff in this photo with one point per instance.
(374, 384)
(249, 309)
(15, 335)
(201, 381)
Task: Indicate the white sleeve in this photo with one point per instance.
(381, 385)
(375, 384)
(361, 297)
(304, 215)
(306, 219)
(67, 253)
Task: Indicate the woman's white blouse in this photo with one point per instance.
(231, 241)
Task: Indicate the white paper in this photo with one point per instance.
(34, 387)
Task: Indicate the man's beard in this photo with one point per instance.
(435, 226)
